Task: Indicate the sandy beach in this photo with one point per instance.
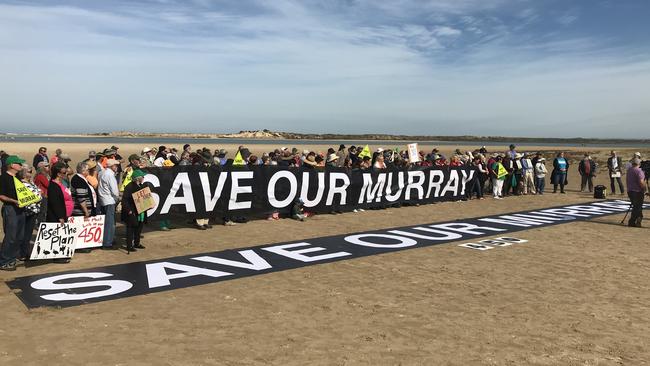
(575, 294)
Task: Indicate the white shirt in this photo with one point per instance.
(107, 190)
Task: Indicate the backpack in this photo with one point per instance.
(600, 191)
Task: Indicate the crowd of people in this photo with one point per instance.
(103, 181)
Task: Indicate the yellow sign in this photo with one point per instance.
(365, 152)
(501, 171)
(238, 159)
(25, 196)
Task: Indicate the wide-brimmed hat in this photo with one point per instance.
(14, 159)
(310, 160)
(518, 156)
(111, 162)
(146, 149)
(91, 164)
(332, 157)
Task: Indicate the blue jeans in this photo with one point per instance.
(13, 224)
(30, 222)
(109, 225)
(540, 183)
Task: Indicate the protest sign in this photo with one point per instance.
(25, 196)
(414, 156)
(55, 240)
(91, 234)
(143, 200)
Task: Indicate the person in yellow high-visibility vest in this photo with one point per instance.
(134, 163)
(499, 174)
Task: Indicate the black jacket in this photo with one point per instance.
(129, 213)
(55, 203)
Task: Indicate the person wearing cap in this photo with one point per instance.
(109, 196)
(83, 194)
(636, 187)
(32, 211)
(499, 175)
(540, 175)
(92, 155)
(527, 174)
(93, 175)
(615, 169)
(133, 220)
(40, 157)
(331, 160)
(13, 216)
(342, 155)
(587, 170)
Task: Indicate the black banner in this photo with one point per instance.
(124, 280)
(207, 192)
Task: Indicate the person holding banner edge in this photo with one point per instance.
(13, 216)
(133, 220)
(636, 188)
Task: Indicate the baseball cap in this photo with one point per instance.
(14, 159)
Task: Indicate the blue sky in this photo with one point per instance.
(449, 67)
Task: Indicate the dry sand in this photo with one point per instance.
(575, 294)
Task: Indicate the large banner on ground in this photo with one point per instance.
(206, 192)
(82, 286)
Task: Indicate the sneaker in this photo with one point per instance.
(61, 260)
(139, 246)
(208, 226)
(131, 249)
(361, 210)
(11, 266)
(355, 210)
(165, 228)
(229, 223)
(200, 227)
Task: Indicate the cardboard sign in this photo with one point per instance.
(91, 234)
(143, 200)
(414, 155)
(55, 240)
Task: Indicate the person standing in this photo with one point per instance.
(32, 211)
(540, 175)
(587, 170)
(59, 198)
(109, 196)
(635, 191)
(133, 220)
(559, 174)
(528, 174)
(41, 156)
(13, 216)
(83, 194)
(499, 174)
(615, 168)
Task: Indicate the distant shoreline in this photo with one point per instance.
(267, 135)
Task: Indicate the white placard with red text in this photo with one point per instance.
(91, 234)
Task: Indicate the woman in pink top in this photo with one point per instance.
(59, 199)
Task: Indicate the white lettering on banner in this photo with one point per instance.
(435, 183)
(210, 199)
(513, 220)
(400, 184)
(304, 190)
(464, 228)
(549, 215)
(547, 218)
(334, 189)
(158, 276)
(299, 254)
(270, 190)
(566, 211)
(255, 262)
(236, 189)
(595, 210)
(49, 283)
(452, 183)
(187, 199)
(413, 184)
(155, 182)
(402, 241)
(445, 235)
(496, 243)
(370, 192)
(615, 207)
(466, 178)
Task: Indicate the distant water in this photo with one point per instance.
(210, 142)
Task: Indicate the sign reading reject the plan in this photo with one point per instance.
(98, 284)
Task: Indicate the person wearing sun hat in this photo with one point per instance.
(13, 215)
(109, 196)
(133, 220)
